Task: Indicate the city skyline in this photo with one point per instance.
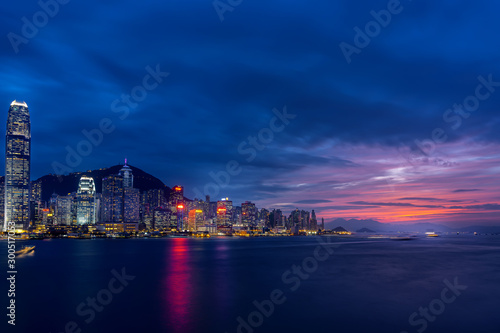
(404, 129)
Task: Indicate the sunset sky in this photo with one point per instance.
(350, 147)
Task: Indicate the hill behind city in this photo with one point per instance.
(64, 184)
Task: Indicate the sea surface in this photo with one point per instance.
(284, 284)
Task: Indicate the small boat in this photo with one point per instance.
(26, 249)
(402, 238)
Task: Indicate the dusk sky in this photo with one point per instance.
(349, 146)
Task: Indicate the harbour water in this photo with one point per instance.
(286, 284)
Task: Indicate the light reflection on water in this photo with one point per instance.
(178, 285)
(203, 285)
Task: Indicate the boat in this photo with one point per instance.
(402, 238)
(26, 249)
(431, 234)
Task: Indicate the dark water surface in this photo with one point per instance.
(205, 285)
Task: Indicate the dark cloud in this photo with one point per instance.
(422, 199)
(466, 190)
(312, 201)
(392, 204)
(493, 206)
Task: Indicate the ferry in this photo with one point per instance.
(26, 249)
(431, 234)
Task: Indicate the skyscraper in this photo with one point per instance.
(224, 212)
(112, 196)
(2, 198)
(195, 219)
(248, 214)
(128, 177)
(17, 166)
(121, 200)
(314, 222)
(63, 210)
(176, 195)
(131, 202)
(85, 201)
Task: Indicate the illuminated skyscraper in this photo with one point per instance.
(120, 200)
(2, 198)
(248, 217)
(112, 197)
(224, 212)
(177, 195)
(17, 166)
(275, 218)
(63, 210)
(128, 177)
(85, 201)
(195, 219)
(180, 216)
(131, 203)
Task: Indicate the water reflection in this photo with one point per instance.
(178, 286)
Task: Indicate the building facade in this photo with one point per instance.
(17, 167)
(85, 201)
(112, 197)
(248, 214)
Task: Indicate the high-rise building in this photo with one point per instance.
(150, 200)
(262, 217)
(131, 202)
(36, 190)
(112, 197)
(176, 195)
(195, 219)
(161, 218)
(2, 198)
(275, 218)
(63, 210)
(17, 166)
(85, 201)
(128, 177)
(120, 200)
(181, 208)
(248, 213)
(98, 207)
(224, 212)
(314, 222)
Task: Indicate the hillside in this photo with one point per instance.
(63, 185)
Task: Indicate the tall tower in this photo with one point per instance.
(85, 201)
(224, 212)
(112, 196)
(248, 214)
(128, 177)
(314, 222)
(17, 166)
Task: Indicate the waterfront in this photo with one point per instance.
(204, 285)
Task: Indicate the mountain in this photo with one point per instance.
(481, 229)
(339, 229)
(64, 184)
(365, 230)
(354, 224)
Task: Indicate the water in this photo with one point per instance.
(205, 285)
